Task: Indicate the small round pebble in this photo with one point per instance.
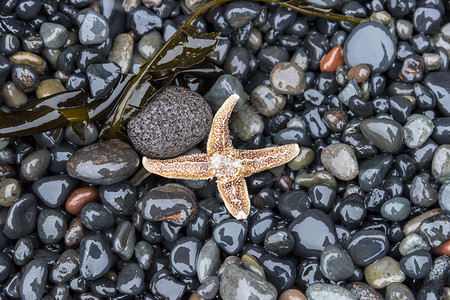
(53, 34)
(396, 209)
(384, 271)
(287, 78)
(340, 160)
(320, 291)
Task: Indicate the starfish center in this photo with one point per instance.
(225, 166)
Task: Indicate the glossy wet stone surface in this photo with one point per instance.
(370, 44)
(366, 246)
(230, 236)
(387, 135)
(167, 203)
(95, 266)
(103, 163)
(53, 190)
(339, 159)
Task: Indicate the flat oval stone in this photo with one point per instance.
(366, 246)
(386, 134)
(174, 122)
(384, 271)
(396, 209)
(167, 203)
(370, 43)
(312, 242)
(340, 160)
(51, 226)
(95, 257)
(105, 162)
(320, 291)
(287, 78)
(416, 264)
(440, 166)
(372, 171)
(35, 164)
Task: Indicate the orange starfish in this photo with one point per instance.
(229, 165)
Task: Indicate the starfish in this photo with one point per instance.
(229, 165)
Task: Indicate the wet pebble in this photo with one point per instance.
(239, 14)
(96, 217)
(124, 240)
(251, 285)
(95, 257)
(225, 86)
(167, 203)
(359, 73)
(51, 226)
(131, 280)
(10, 191)
(308, 243)
(208, 261)
(362, 290)
(174, 122)
(320, 291)
(397, 290)
(332, 60)
(435, 230)
(183, 256)
(267, 101)
(230, 235)
(149, 44)
(335, 263)
(386, 134)
(246, 123)
(396, 209)
(367, 246)
(22, 217)
(370, 44)
(287, 78)
(440, 166)
(280, 272)
(102, 78)
(65, 268)
(94, 29)
(23, 251)
(417, 130)
(209, 288)
(339, 159)
(34, 279)
(54, 35)
(24, 78)
(417, 264)
(122, 51)
(80, 197)
(53, 190)
(421, 192)
(411, 243)
(105, 162)
(279, 241)
(384, 271)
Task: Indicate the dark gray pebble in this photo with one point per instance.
(21, 218)
(35, 164)
(366, 246)
(417, 264)
(34, 279)
(131, 280)
(95, 216)
(102, 78)
(435, 230)
(373, 171)
(94, 29)
(230, 235)
(51, 226)
(167, 203)
(53, 190)
(104, 163)
(209, 288)
(312, 242)
(66, 267)
(95, 257)
(335, 263)
(183, 256)
(120, 197)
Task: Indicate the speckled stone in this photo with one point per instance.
(398, 291)
(267, 101)
(363, 291)
(340, 160)
(384, 271)
(440, 167)
(417, 130)
(320, 291)
(12, 96)
(122, 51)
(174, 122)
(412, 226)
(287, 78)
(412, 243)
(54, 35)
(149, 44)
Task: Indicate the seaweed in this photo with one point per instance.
(181, 61)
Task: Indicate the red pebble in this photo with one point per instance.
(333, 60)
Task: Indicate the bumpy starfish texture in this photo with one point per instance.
(229, 165)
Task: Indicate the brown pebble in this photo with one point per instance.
(75, 233)
(80, 197)
(412, 69)
(332, 60)
(359, 73)
(363, 291)
(31, 59)
(49, 87)
(292, 294)
(283, 183)
(335, 119)
(412, 226)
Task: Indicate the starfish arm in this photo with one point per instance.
(195, 166)
(219, 136)
(235, 197)
(255, 161)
